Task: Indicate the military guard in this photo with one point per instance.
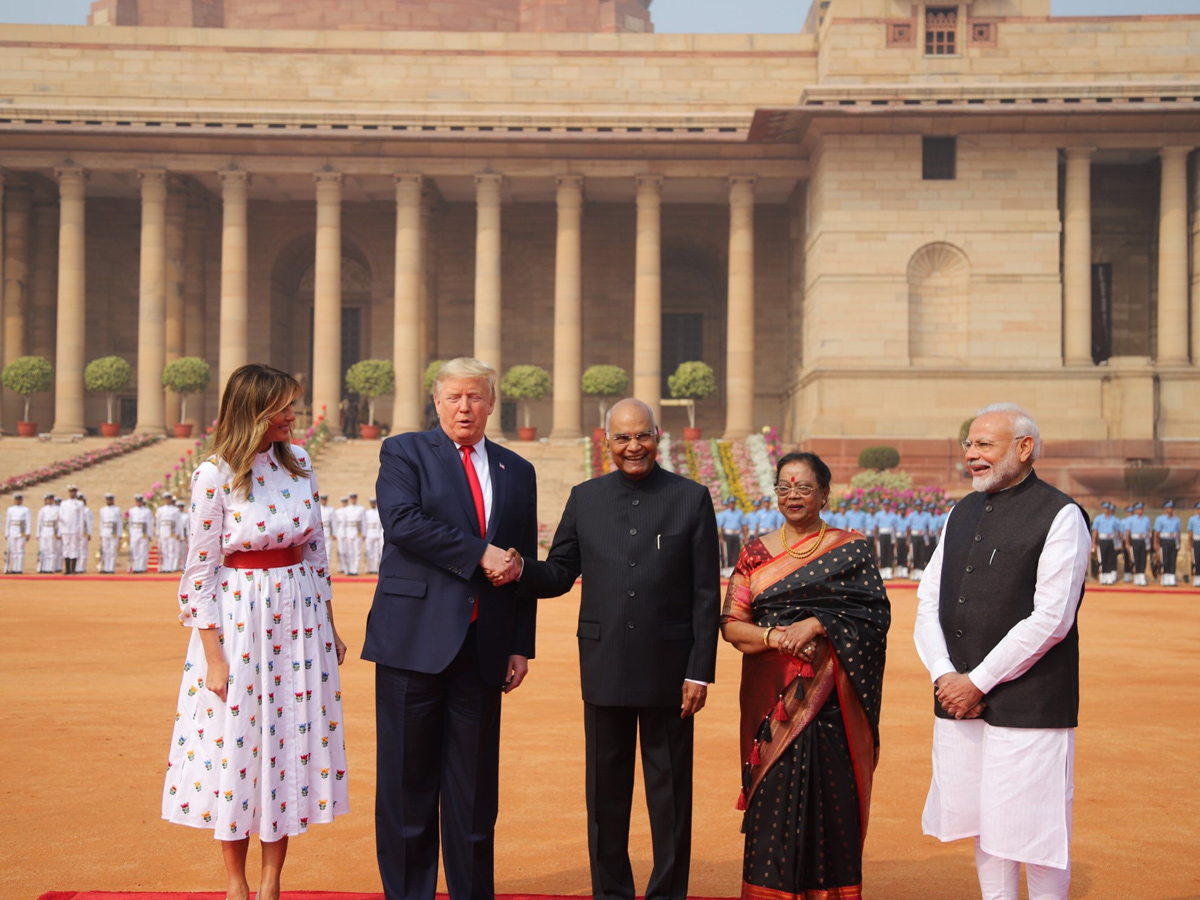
(1193, 529)
(89, 530)
(1167, 528)
(919, 521)
(112, 527)
(732, 526)
(856, 519)
(373, 540)
(885, 525)
(1106, 533)
(70, 529)
(141, 522)
(47, 535)
(1137, 539)
(18, 528)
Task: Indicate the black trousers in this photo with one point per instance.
(1138, 546)
(732, 544)
(611, 735)
(902, 551)
(438, 745)
(1108, 555)
(1195, 557)
(1170, 553)
(887, 550)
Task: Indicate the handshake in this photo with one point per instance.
(501, 566)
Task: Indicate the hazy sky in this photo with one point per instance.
(731, 16)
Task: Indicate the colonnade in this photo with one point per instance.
(171, 319)
(1173, 306)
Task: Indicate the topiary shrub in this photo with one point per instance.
(107, 375)
(604, 382)
(186, 375)
(692, 381)
(525, 383)
(431, 373)
(28, 375)
(879, 458)
(371, 378)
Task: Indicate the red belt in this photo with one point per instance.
(265, 559)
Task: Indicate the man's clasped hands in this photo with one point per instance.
(958, 696)
(501, 566)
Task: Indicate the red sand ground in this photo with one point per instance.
(90, 669)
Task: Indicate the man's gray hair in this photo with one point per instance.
(1022, 424)
(633, 400)
(465, 367)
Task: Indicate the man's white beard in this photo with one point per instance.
(1002, 473)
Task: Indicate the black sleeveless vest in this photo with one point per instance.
(989, 573)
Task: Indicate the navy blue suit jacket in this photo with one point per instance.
(430, 574)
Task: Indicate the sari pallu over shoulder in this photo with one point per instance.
(780, 695)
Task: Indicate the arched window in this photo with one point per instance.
(939, 297)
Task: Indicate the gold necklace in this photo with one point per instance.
(801, 554)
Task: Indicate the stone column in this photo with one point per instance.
(176, 215)
(408, 411)
(739, 348)
(568, 309)
(327, 299)
(71, 330)
(41, 328)
(195, 292)
(1196, 267)
(1173, 258)
(488, 186)
(647, 295)
(1077, 258)
(235, 300)
(152, 296)
(16, 280)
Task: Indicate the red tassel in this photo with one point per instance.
(755, 759)
(806, 670)
(780, 713)
(741, 804)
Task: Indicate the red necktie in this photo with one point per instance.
(477, 496)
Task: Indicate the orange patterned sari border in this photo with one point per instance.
(754, 892)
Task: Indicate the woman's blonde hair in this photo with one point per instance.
(253, 395)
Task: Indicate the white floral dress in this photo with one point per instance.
(271, 760)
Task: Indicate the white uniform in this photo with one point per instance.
(112, 525)
(70, 528)
(354, 522)
(140, 522)
(373, 540)
(18, 526)
(47, 535)
(1011, 789)
(339, 534)
(327, 519)
(166, 527)
(89, 529)
(182, 521)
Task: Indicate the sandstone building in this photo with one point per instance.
(869, 229)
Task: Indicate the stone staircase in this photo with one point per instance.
(345, 466)
(124, 476)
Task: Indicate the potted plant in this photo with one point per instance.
(692, 381)
(184, 376)
(28, 375)
(108, 374)
(371, 378)
(525, 383)
(604, 382)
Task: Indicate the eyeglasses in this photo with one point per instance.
(642, 437)
(985, 446)
(804, 490)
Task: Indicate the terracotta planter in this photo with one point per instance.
(691, 434)
(183, 429)
(369, 432)
(27, 429)
(527, 434)
(110, 429)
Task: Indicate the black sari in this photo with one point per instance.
(810, 733)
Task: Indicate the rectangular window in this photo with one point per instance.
(1102, 279)
(938, 158)
(682, 341)
(941, 30)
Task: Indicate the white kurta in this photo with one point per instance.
(1011, 787)
(272, 760)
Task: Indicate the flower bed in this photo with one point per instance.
(77, 463)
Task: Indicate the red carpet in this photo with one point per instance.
(287, 895)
